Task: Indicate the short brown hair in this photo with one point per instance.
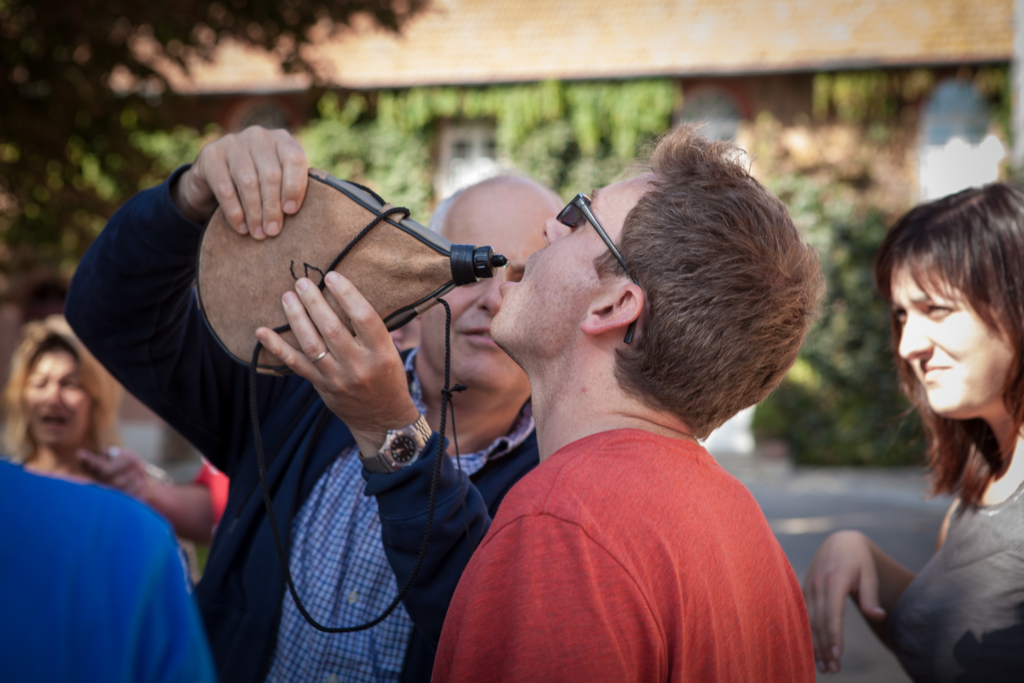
(972, 242)
(731, 286)
(43, 336)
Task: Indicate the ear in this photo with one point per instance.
(613, 309)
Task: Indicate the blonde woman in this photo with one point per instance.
(60, 409)
(58, 400)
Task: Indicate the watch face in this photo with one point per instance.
(403, 448)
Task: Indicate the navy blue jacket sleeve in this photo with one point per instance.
(403, 499)
(133, 305)
(462, 515)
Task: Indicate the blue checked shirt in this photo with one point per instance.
(343, 577)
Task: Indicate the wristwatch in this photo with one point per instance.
(401, 447)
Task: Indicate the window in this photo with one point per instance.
(714, 107)
(469, 154)
(956, 150)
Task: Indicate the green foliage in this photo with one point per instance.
(841, 403)
(393, 161)
(873, 97)
(995, 85)
(71, 149)
(569, 136)
(860, 96)
(170, 149)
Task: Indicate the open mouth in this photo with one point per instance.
(54, 420)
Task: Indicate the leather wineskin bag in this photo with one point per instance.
(398, 265)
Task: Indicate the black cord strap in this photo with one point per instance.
(349, 247)
(447, 397)
(434, 479)
(362, 233)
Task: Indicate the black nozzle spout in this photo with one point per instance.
(470, 263)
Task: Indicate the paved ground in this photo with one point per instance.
(804, 505)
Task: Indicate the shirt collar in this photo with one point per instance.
(521, 428)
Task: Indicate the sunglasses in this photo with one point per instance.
(577, 212)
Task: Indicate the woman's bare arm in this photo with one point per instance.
(849, 563)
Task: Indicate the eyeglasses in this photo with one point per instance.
(576, 212)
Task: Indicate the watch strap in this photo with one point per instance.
(377, 463)
(384, 462)
(423, 428)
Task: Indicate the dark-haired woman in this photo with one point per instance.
(953, 273)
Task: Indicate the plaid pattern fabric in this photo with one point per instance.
(342, 575)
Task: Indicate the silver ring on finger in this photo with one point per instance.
(322, 354)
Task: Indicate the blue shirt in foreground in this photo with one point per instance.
(92, 588)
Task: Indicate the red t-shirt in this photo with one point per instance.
(627, 556)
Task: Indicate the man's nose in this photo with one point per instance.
(490, 297)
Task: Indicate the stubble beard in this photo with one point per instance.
(503, 342)
(506, 326)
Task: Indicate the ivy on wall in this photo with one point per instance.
(569, 136)
(881, 97)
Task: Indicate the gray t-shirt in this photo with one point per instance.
(962, 618)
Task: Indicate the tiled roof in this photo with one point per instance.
(235, 68)
(486, 41)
